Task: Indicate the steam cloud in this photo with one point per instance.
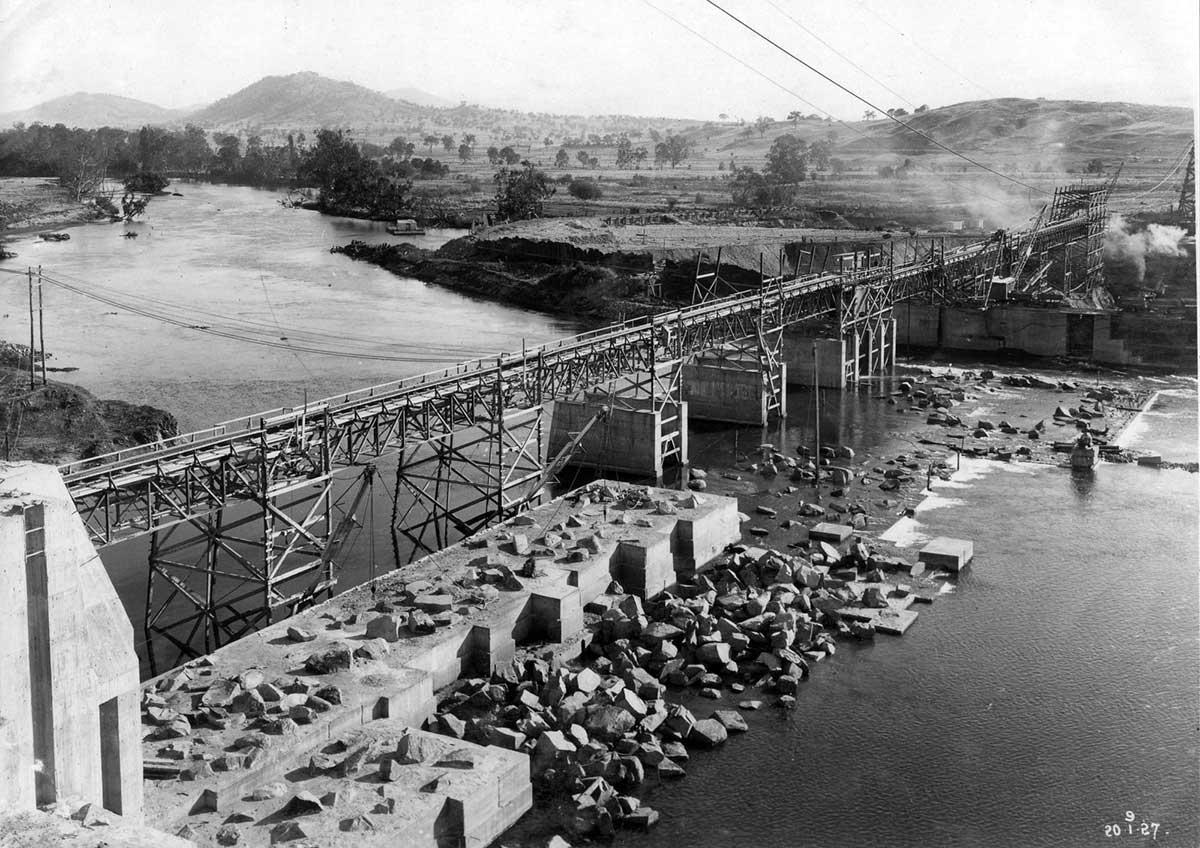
(1123, 245)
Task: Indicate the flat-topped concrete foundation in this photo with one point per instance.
(255, 712)
(950, 554)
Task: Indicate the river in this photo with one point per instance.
(234, 260)
(1051, 693)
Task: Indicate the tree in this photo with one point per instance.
(402, 148)
(430, 141)
(819, 154)
(562, 158)
(469, 140)
(674, 149)
(521, 193)
(639, 156)
(761, 123)
(869, 115)
(723, 116)
(747, 187)
(795, 117)
(624, 152)
(582, 156)
(493, 155)
(447, 143)
(464, 152)
(787, 164)
(509, 156)
(898, 113)
(228, 154)
(194, 152)
(922, 109)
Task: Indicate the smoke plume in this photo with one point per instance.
(1126, 246)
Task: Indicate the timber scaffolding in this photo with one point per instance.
(247, 525)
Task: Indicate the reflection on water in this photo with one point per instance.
(1082, 482)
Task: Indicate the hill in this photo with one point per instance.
(305, 99)
(93, 110)
(1012, 133)
(1010, 125)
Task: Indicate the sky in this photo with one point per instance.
(611, 56)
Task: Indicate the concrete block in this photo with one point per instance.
(835, 534)
(557, 610)
(645, 566)
(947, 553)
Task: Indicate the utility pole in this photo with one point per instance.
(32, 366)
(817, 428)
(41, 326)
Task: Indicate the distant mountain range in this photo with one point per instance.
(306, 101)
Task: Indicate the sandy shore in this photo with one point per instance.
(37, 204)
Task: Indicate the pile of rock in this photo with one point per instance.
(597, 732)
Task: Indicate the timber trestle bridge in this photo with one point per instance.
(249, 519)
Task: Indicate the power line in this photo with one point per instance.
(865, 136)
(928, 53)
(190, 313)
(864, 100)
(168, 319)
(840, 54)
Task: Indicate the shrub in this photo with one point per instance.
(585, 190)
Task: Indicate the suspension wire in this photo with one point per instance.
(229, 334)
(249, 325)
(865, 136)
(864, 100)
(1178, 164)
(928, 53)
(840, 54)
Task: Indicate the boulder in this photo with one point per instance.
(303, 804)
(337, 658)
(608, 723)
(386, 627)
(707, 733)
(297, 634)
(731, 720)
(670, 770)
(287, 831)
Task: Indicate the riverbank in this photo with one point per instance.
(59, 422)
(36, 204)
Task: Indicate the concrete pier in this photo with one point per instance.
(1033, 330)
(731, 386)
(69, 717)
(830, 360)
(638, 435)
